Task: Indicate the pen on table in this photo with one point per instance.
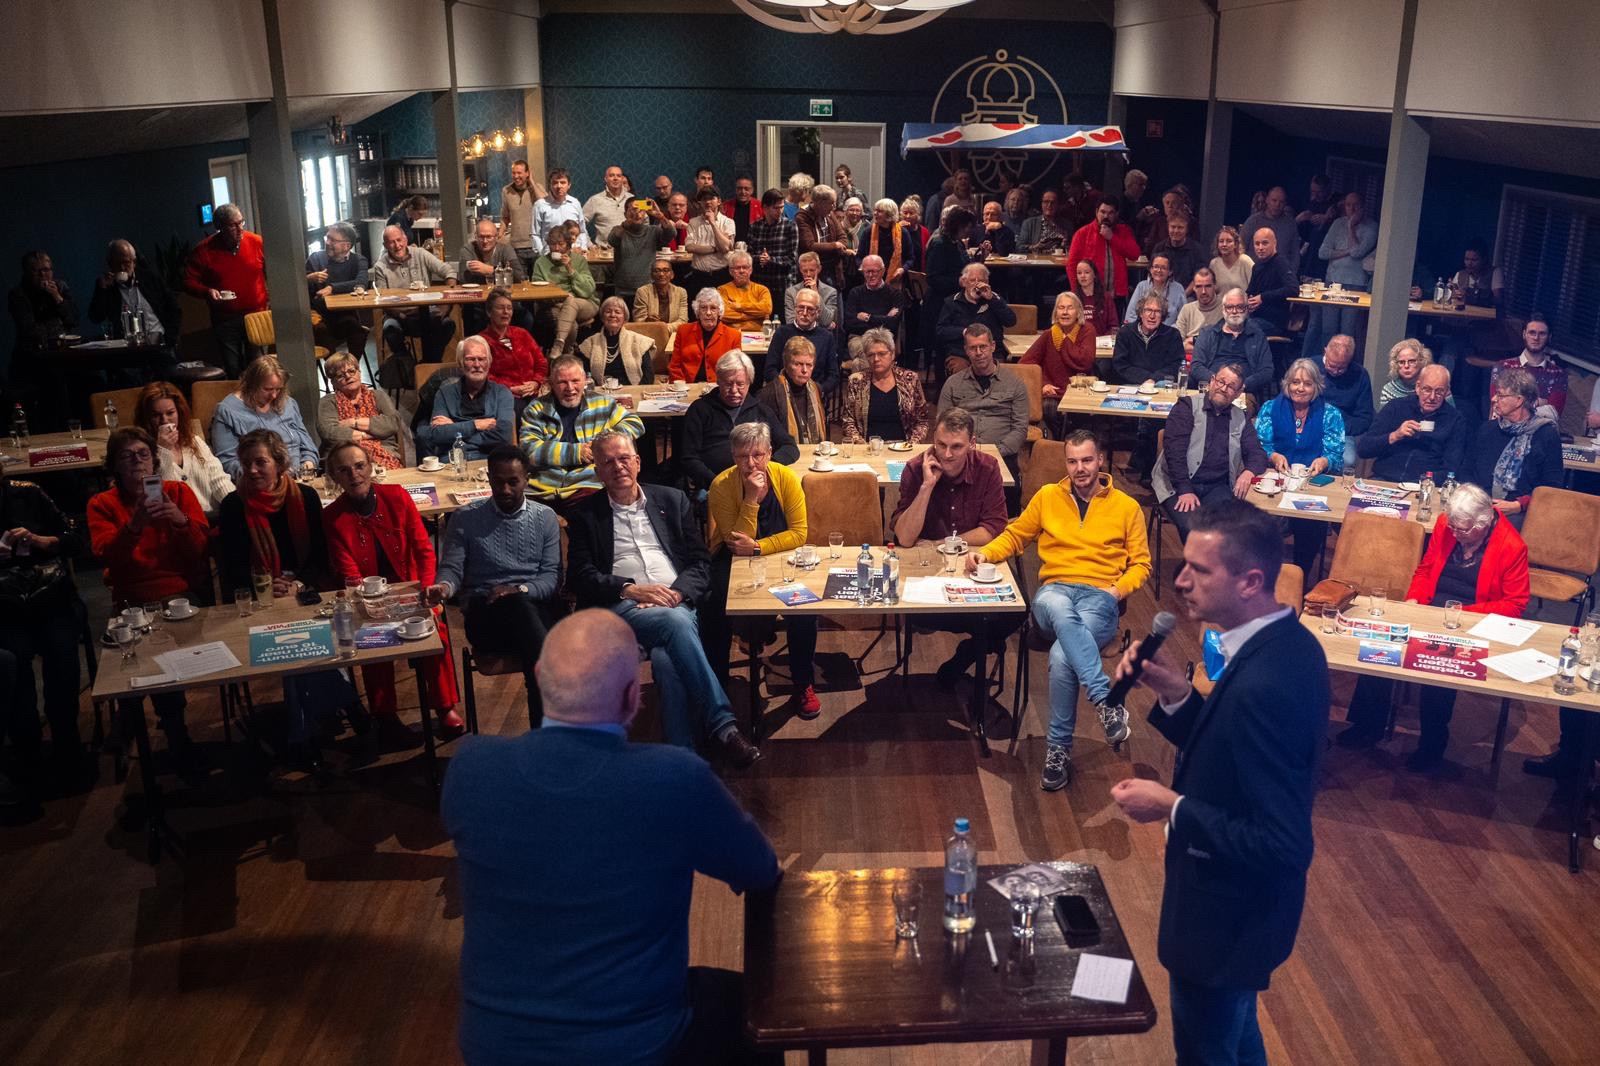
(994, 960)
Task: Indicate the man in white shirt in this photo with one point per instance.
(1200, 312)
(555, 208)
(637, 550)
(608, 208)
(709, 240)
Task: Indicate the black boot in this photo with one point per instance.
(1558, 765)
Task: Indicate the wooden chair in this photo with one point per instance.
(1377, 552)
(1027, 323)
(660, 333)
(1032, 376)
(1047, 464)
(1562, 531)
(423, 371)
(847, 503)
(259, 330)
(125, 400)
(1290, 592)
(207, 394)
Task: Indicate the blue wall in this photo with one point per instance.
(406, 129)
(74, 209)
(668, 103)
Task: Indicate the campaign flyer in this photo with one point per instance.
(1381, 652)
(290, 642)
(1437, 653)
(794, 594)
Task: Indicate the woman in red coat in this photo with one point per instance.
(375, 530)
(1476, 558)
(699, 344)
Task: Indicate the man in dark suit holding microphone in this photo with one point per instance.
(1238, 813)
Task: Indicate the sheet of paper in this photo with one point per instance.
(198, 660)
(1102, 979)
(1528, 665)
(922, 590)
(1503, 630)
(148, 680)
(1303, 502)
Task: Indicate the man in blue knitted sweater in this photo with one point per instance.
(503, 555)
(577, 855)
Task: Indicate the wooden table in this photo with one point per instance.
(606, 256)
(754, 604)
(1055, 262)
(405, 299)
(95, 439)
(1341, 652)
(1589, 464)
(1338, 498)
(638, 394)
(115, 680)
(880, 463)
(443, 480)
(1088, 402)
(1362, 301)
(822, 968)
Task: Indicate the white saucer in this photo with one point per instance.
(374, 595)
(430, 469)
(820, 469)
(169, 616)
(1410, 486)
(1267, 492)
(1387, 512)
(1147, 392)
(1100, 388)
(947, 551)
(901, 446)
(424, 635)
(990, 581)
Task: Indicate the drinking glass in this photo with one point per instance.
(1330, 619)
(758, 571)
(1024, 905)
(261, 582)
(835, 543)
(243, 599)
(1377, 599)
(875, 446)
(846, 449)
(1452, 614)
(786, 566)
(127, 639)
(907, 906)
(352, 588)
(75, 427)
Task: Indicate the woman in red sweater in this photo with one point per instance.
(1066, 348)
(154, 549)
(1099, 308)
(1476, 558)
(375, 531)
(518, 362)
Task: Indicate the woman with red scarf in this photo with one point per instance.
(375, 530)
(356, 413)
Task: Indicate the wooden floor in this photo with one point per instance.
(320, 925)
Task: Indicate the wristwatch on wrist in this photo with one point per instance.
(757, 549)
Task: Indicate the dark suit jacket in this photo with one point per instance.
(1240, 844)
(591, 545)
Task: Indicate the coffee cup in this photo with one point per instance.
(680, 386)
(987, 572)
(1425, 426)
(805, 555)
(179, 608)
(610, 384)
(430, 462)
(227, 294)
(379, 473)
(1299, 470)
(374, 586)
(414, 626)
(135, 617)
(821, 462)
(826, 448)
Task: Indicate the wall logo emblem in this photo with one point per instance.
(1001, 89)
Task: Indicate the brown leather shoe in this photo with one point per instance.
(738, 750)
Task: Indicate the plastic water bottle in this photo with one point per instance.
(19, 426)
(891, 576)
(108, 414)
(1441, 293)
(769, 326)
(1567, 665)
(458, 456)
(344, 626)
(1449, 488)
(1425, 498)
(960, 880)
(864, 576)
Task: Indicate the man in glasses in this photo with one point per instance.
(1210, 450)
(335, 270)
(1347, 386)
(1236, 339)
(1416, 433)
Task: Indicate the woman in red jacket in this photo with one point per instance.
(1476, 558)
(518, 362)
(699, 344)
(154, 548)
(375, 530)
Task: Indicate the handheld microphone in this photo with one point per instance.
(1161, 627)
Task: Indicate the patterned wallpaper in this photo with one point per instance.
(407, 128)
(666, 105)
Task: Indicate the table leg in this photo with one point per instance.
(1499, 744)
(751, 630)
(155, 815)
(1579, 814)
(980, 690)
(817, 1056)
(427, 727)
(1051, 1051)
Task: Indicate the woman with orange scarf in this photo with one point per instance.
(375, 530)
(888, 239)
(1066, 348)
(356, 413)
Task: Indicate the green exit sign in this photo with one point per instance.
(822, 109)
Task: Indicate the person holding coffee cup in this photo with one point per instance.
(153, 549)
(375, 532)
(1092, 556)
(1417, 433)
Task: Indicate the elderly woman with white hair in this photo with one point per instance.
(614, 352)
(1298, 428)
(746, 304)
(823, 230)
(699, 344)
(887, 237)
(1477, 561)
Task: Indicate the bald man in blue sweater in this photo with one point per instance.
(577, 853)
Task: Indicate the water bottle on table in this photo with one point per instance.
(960, 879)
(458, 456)
(1567, 664)
(344, 626)
(891, 576)
(864, 576)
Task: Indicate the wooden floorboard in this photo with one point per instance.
(1442, 925)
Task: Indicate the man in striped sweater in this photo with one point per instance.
(502, 556)
(557, 434)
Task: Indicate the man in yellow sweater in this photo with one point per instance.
(1092, 556)
(746, 304)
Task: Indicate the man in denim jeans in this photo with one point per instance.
(1092, 556)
